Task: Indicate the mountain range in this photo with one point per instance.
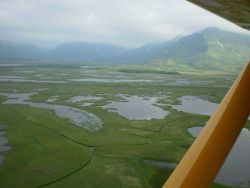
(209, 49)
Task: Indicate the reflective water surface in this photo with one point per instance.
(102, 80)
(160, 164)
(195, 105)
(137, 108)
(76, 116)
(3, 145)
(236, 168)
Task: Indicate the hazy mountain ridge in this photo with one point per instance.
(86, 51)
(10, 50)
(209, 49)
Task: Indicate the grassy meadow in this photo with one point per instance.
(49, 151)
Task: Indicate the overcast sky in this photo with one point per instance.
(129, 23)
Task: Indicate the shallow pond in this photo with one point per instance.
(195, 105)
(88, 98)
(30, 81)
(26, 71)
(137, 108)
(12, 77)
(52, 98)
(236, 169)
(76, 116)
(3, 145)
(107, 80)
(160, 164)
(183, 82)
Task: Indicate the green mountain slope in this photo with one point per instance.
(210, 49)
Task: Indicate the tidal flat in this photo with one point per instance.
(139, 134)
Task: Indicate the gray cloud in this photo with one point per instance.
(123, 22)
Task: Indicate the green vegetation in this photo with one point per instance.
(210, 50)
(48, 151)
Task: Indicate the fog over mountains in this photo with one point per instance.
(208, 49)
